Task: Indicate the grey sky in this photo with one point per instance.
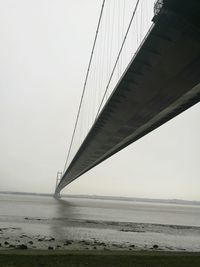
(44, 52)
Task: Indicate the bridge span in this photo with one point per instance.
(161, 81)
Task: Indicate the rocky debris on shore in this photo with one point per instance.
(8, 245)
(127, 237)
(9, 228)
(24, 241)
(22, 236)
(49, 239)
(132, 230)
(12, 239)
(22, 246)
(68, 242)
(31, 219)
(50, 243)
(155, 246)
(12, 246)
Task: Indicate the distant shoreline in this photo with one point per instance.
(167, 201)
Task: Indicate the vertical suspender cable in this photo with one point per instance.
(85, 83)
(134, 11)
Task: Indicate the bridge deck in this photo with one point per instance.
(162, 80)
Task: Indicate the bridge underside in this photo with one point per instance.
(162, 80)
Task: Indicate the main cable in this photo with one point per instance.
(128, 28)
(85, 83)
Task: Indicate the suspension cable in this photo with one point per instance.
(85, 83)
(127, 31)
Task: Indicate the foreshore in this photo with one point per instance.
(12, 239)
(133, 237)
(46, 251)
(61, 258)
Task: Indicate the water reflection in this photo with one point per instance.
(65, 214)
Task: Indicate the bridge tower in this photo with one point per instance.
(58, 178)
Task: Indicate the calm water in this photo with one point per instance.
(15, 207)
(107, 220)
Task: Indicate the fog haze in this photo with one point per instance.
(44, 52)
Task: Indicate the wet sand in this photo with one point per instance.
(16, 238)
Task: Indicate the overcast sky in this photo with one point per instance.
(44, 52)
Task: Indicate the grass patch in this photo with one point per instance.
(98, 259)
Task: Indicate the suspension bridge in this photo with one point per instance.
(144, 69)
